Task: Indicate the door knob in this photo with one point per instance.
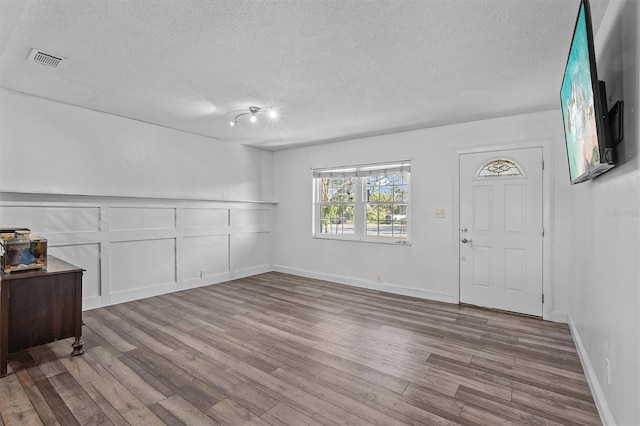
(467, 240)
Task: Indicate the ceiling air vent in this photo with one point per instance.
(47, 59)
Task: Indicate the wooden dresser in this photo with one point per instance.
(38, 307)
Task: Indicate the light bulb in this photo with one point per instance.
(232, 123)
(253, 118)
(273, 113)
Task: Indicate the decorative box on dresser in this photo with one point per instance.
(40, 306)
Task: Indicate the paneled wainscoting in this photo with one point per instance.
(133, 247)
(276, 349)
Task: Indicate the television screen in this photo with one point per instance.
(584, 125)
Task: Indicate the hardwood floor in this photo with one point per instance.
(276, 349)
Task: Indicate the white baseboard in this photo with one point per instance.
(142, 293)
(606, 416)
(89, 303)
(556, 316)
(357, 282)
(226, 276)
(207, 280)
(254, 270)
(157, 290)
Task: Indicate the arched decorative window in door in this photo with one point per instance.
(500, 168)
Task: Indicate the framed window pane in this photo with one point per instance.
(395, 178)
(373, 220)
(337, 189)
(399, 229)
(401, 193)
(337, 219)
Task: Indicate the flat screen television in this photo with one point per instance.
(584, 106)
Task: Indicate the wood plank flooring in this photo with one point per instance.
(277, 349)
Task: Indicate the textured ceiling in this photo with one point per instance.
(333, 69)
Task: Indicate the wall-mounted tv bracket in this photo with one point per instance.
(616, 119)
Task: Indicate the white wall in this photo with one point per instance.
(144, 209)
(429, 267)
(605, 233)
(71, 150)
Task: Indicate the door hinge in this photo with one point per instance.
(543, 232)
(543, 298)
(542, 164)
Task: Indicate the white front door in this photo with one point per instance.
(501, 230)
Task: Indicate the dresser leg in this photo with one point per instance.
(78, 348)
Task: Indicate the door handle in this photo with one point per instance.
(467, 240)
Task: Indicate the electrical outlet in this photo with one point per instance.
(379, 279)
(607, 370)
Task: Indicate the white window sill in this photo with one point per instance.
(389, 241)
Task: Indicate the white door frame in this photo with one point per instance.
(548, 312)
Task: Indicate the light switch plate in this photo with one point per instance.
(439, 213)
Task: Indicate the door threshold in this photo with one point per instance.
(501, 311)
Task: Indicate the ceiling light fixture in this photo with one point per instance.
(254, 112)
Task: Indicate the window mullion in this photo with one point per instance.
(317, 220)
(359, 215)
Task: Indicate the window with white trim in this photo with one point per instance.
(363, 203)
